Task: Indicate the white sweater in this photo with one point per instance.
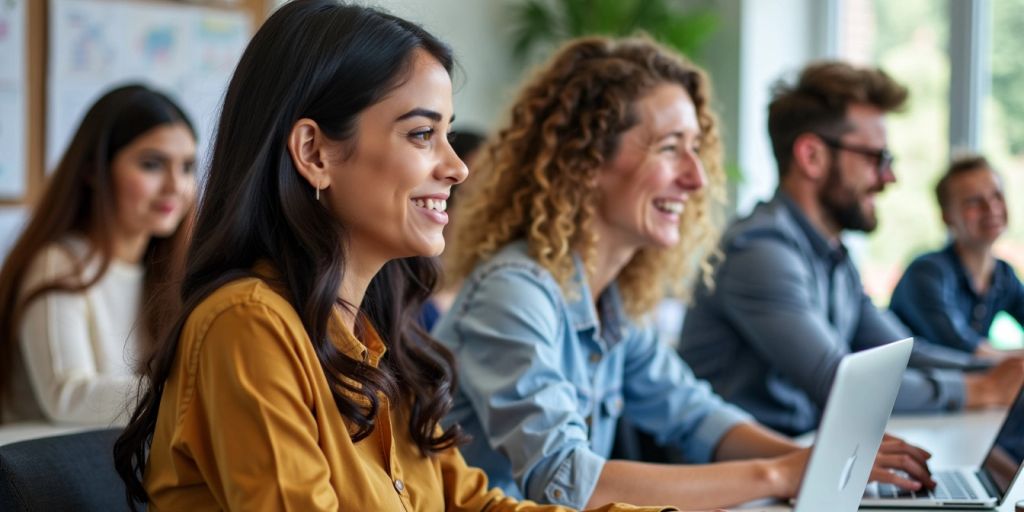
(76, 355)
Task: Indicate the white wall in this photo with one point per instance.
(758, 43)
(486, 75)
(475, 30)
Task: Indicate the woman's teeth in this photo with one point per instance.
(439, 205)
(669, 205)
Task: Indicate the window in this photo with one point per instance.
(908, 39)
(911, 40)
(1002, 137)
(1002, 130)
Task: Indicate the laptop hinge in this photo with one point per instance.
(989, 484)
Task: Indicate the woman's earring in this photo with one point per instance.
(318, 189)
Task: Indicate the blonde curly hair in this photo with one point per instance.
(536, 178)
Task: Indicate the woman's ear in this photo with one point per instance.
(307, 147)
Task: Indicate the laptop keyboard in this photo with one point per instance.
(950, 485)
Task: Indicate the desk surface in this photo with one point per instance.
(954, 440)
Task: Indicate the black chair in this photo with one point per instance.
(69, 472)
(631, 443)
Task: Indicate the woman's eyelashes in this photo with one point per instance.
(673, 148)
(157, 163)
(422, 134)
(669, 148)
(151, 164)
(427, 134)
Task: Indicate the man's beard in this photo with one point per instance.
(842, 203)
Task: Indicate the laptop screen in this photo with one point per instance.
(1007, 453)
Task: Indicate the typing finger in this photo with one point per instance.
(907, 465)
(893, 443)
(881, 474)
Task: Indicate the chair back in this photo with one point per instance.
(68, 472)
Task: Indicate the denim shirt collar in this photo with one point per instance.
(821, 246)
(609, 308)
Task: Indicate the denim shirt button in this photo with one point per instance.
(595, 358)
(558, 494)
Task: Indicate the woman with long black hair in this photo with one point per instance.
(83, 292)
(295, 378)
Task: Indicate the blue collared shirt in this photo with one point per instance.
(935, 299)
(787, 305)
(545, 375)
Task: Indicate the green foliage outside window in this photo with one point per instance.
(540, 25)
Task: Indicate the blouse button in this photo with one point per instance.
(558, 494)
(595, 358)
(399, 486)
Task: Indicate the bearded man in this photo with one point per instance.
(787, 302)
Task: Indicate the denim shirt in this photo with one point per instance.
(787, 305)
(544, 376)
(936, 299)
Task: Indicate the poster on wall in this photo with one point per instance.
(186, 51)
(12, 99)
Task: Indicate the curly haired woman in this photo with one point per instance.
(595, 198)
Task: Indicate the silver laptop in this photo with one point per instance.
(983, 486)
(863, 393)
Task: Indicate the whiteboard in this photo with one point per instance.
(187, 52)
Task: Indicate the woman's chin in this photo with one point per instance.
(429, 248)
(663, 242)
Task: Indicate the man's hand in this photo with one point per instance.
(996, 387)
(985, 350)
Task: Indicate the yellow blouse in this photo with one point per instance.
(247, 422)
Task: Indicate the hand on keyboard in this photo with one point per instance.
(950, 485)
(902, 464)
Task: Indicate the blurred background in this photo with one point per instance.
(960, 59)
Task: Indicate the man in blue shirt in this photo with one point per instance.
(788, 303)
(952, 296)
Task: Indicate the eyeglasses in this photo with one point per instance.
(882, 157)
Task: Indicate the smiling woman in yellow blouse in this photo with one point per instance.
(295, 378)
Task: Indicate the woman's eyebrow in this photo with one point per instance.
(423, 112)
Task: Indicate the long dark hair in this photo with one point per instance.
(327, 62)
(80, 200)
